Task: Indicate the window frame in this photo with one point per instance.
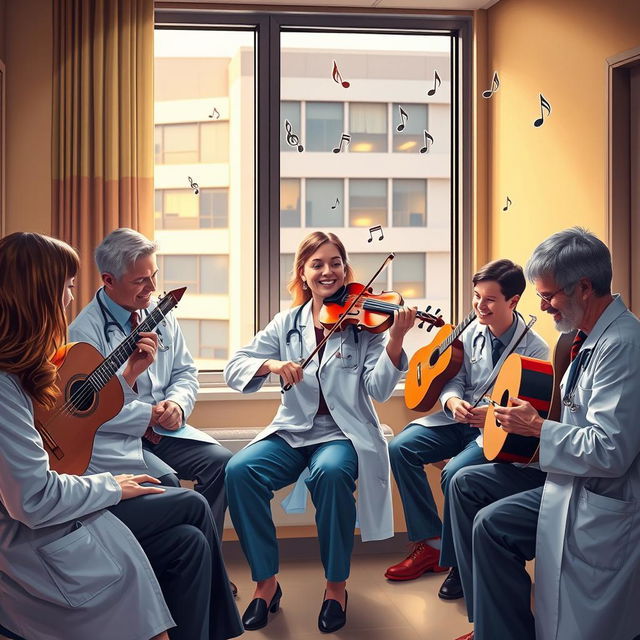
(267, 27)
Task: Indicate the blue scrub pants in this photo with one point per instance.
(409, 451)
(495, 508)
(254, 473)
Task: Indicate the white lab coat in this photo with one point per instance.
(172, 376)
(68, 568)
(349, 378)
(470, 382)
(588, 538)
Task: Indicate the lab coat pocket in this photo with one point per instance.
(79, 565)
(601, 529)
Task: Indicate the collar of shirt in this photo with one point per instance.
(506, 337)
(122, 316)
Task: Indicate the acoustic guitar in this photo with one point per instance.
(90, 394)
(533, 380)
(433, 365)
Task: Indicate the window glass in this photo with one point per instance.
(368, 127)
(367, 203)
(325, 122)
(214, 339)
(290, 202)
(214, 275)
(214, 142)
(286, 269)
(409, 275)
(214, 208)
(411, 137)
(191, 332)
(321, 195)
(180, 209)
(364, 265)
(409, 203)
(180, 143)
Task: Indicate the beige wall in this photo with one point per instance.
(555, 175)
(28, 59)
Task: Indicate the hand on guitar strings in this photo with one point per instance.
(142, 357)
(519, 418)
(464, 412)
(131, 487)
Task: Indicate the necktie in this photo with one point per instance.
(149, 434)
(496, 350)
(581, 336)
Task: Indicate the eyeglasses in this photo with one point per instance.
(548, 297)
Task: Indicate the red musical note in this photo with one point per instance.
(337, 77)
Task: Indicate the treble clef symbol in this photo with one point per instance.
(292, 138)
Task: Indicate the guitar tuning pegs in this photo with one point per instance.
(421, 324)
(429, 328)
(428, 307)
(437, 312)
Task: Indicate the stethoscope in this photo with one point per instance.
(295, 331)
(110, 322)
(476, 351)
(575, 371)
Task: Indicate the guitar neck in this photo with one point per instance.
(458, 330)
(108, 367)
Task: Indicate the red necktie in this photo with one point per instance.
(149, 434)
(581, 336)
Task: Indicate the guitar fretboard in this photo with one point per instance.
(457, 331)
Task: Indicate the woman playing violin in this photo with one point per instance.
(326, 432)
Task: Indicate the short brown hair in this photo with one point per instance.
(507, 274)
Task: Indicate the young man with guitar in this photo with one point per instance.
(454, 432)
(581, 522)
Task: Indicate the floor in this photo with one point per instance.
(377, 610)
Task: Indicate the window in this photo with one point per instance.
(409, 203)
(289, 202)
(214, 208)
(413, 122)
(367, 203)
(368, 127)
(325, 125)
(201, 274)
(364, 265)
(321, 195)
(259, 197)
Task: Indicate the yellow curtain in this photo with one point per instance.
(102, 125)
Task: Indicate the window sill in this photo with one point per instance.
(267, 392)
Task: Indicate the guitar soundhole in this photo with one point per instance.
(505, 398)
(81, 396)
(434, 357)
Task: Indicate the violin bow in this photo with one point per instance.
(338, 324)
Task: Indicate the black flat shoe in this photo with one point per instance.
(332, 616)
(451, 588)
(256, 615)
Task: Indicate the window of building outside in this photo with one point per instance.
(357, 175)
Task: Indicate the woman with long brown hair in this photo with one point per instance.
(69, 568)
(326, 432)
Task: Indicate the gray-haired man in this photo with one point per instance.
(581, 521)
(166, 392)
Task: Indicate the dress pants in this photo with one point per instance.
(415, 446)
(200, 462)
(178, 535)
(254, 473)
(494, 512)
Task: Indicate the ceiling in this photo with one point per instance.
(379, 4)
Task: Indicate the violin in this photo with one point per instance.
(371, 312)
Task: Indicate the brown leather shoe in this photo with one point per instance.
(422, 558)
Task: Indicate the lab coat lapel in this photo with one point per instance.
(308, 335)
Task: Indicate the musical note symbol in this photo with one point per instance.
(194, 185)
(436, 81)
(292, 138)
(337, 77)
(428, 138)
(215, 114)
(376, 228)
(336, 204)
(346, 138)
(403, 117)
(544, 104)
(495, 85)
(509, 203)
